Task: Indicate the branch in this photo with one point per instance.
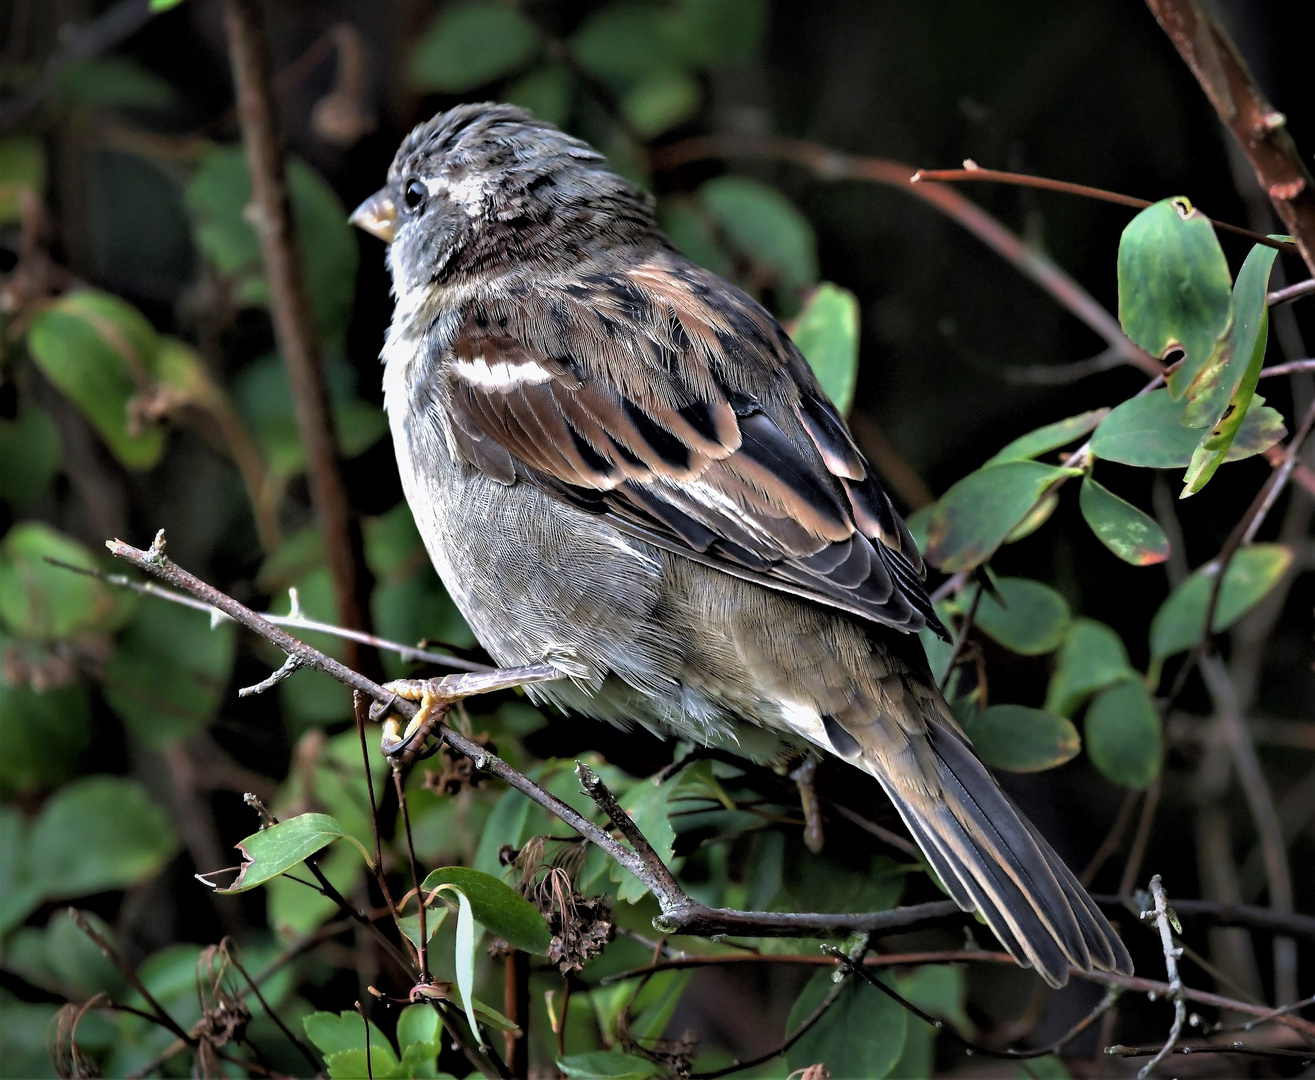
(833, 165)
(295, 619)
(294, 328)
(155, 562)
(1163, 915)
(1259, 128)
(972, 171)
(1211, 1048)
(1291, 292)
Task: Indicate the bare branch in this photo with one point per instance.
(1291, 292)
(972, 171)
(1162, 916)
(832, 165)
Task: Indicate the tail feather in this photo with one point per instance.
(993, 860)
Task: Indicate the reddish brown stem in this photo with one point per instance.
(832, 165)
(1259, 128)
(294, 326)
(976, 172)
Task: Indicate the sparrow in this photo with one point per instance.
(623, 467)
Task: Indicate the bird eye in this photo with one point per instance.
(416, 193)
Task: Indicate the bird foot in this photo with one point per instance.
(437, 696)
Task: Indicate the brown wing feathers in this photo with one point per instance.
(685, 453)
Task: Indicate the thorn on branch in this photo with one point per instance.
(290, 665)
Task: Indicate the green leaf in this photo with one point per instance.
(1251, 573)
(1128, 532)
(96, 834)
(1174, 287)
(42, 602)
(280, 847)
(660, 100)
(1148, 431)
(113, 81)
(1051, 437)
(501, 910)
(417, 1024)
(22, 174)
(158, 6)
(341, 1038)
(1020, 739)
(465, 958)
(217, 198)
(1122, 732)
(167, 676)
(43, 735)
(264, 397)
(468, 45)
(690, 228)
(607, 1065)
(410, 924)
(548, 92)
(974, 517)
(940, 991)
(719, 33)
(1029, 618)
(507, 824)
(624, 42)
(862, 1034)
(826, 332)
(99, 350)
(1234, 384)
(1091, 658)
(763, 225)
(29, 455)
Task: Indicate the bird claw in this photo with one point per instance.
(434, 700)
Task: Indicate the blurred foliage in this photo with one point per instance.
(139, 386)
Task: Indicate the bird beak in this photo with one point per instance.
(377, 215)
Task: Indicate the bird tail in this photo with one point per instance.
(990, 858)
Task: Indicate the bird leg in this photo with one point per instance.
(803, 778)
(437, 696)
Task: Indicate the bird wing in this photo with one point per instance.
(674, 406)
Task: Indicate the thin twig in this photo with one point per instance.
(737, 1066)
(1132, 869)
(1162, 916)
(1113, 838)
(295, 621)
(884, 835)
(112, 955)
(833, 165)
(1290, 293)
(1260, 801)
(1111, 996)
(972, 171)
(961, 638)
(1210, 1048)
(290, 665)
(226, 947)
(359, 712)
(422, 947)
(1294, 368)
(294, 326)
